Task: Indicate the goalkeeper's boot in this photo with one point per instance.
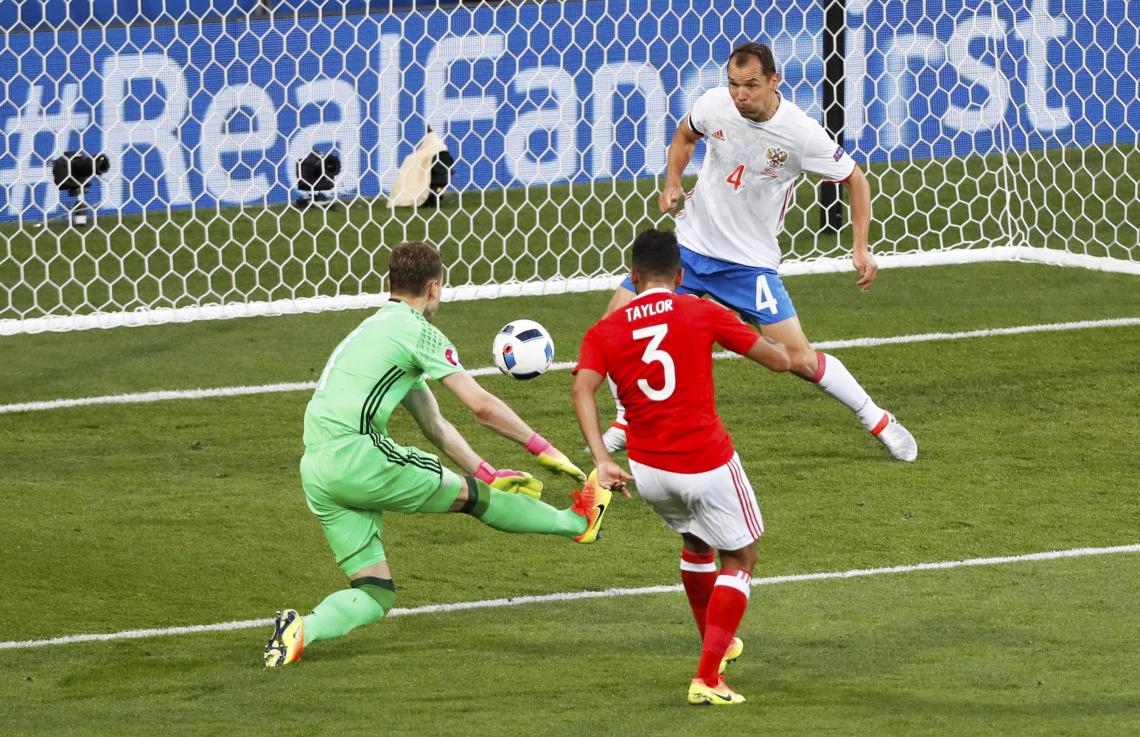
(734, 651)
(288, 640)
(614, 437)
(591, 501)
(899, 441)
(701, 694)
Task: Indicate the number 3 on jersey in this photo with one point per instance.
(654, 354)
(736, 177)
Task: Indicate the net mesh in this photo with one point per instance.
(1002, 129)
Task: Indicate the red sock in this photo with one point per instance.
(698, 575)
(725, 610)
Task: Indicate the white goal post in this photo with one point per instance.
(991, 131)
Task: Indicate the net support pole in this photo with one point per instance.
(834, 63)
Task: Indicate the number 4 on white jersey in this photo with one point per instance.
(653, 354)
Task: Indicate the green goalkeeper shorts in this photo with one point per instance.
(351, 481)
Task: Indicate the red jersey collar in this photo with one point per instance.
(655, 290)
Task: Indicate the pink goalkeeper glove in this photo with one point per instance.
(506, 480)
(552, 458)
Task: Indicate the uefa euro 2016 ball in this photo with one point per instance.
(523, 349)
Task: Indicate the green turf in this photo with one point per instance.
(1001, 651)
(1055, 199)
(189, 512)
(294, 348)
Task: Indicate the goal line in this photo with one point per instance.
(238, 391)
(538, 288)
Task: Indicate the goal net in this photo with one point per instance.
(990, 130)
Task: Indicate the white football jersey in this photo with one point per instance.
(745, 186)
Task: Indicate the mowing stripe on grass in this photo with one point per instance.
(580, 595)
(236, 391)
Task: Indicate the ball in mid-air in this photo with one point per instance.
(523, 349)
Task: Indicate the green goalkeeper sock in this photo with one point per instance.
(521, 513)
(345, 610)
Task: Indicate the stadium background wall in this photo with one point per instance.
(215, 114)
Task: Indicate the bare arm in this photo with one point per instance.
(610, 474)
(422, 405)
(769, 354)
(680, 154)
(494, 414)
(586, 384)
(424, 408)
(491, 412)
(859, 192)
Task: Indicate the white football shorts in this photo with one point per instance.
(718, 506)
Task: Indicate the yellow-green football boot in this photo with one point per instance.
(288, 640)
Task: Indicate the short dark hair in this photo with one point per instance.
(412, 266)
(655, 253)
(742, 53)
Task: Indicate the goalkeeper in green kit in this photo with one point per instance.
(352, 472)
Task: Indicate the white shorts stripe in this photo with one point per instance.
(740, 500)
(750, 496)
(698, 567)
(741, 495)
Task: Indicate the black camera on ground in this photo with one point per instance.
(316, 176)
(73, 173)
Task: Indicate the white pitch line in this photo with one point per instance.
(237, 391)
(582, 595)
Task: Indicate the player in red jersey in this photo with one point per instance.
(658, 351)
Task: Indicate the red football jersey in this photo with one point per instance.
(658, 350)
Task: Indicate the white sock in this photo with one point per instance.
(834, 378)
(620, 418)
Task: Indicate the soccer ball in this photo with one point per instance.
(523, 349)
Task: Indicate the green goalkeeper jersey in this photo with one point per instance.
(372, 369)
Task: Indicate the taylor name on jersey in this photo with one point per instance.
(636, 312)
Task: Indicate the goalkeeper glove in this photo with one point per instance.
(511, 482)
(552, 458)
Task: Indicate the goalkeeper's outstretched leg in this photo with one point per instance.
(372, 594)
(352, 471)
(516, 508)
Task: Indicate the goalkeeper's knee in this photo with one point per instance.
(382, 590)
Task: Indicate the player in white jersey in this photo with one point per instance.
(757, 144)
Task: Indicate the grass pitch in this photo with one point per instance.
(190, 512)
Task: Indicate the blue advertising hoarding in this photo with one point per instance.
(957, 77)
(216, 114)
(56, 13)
